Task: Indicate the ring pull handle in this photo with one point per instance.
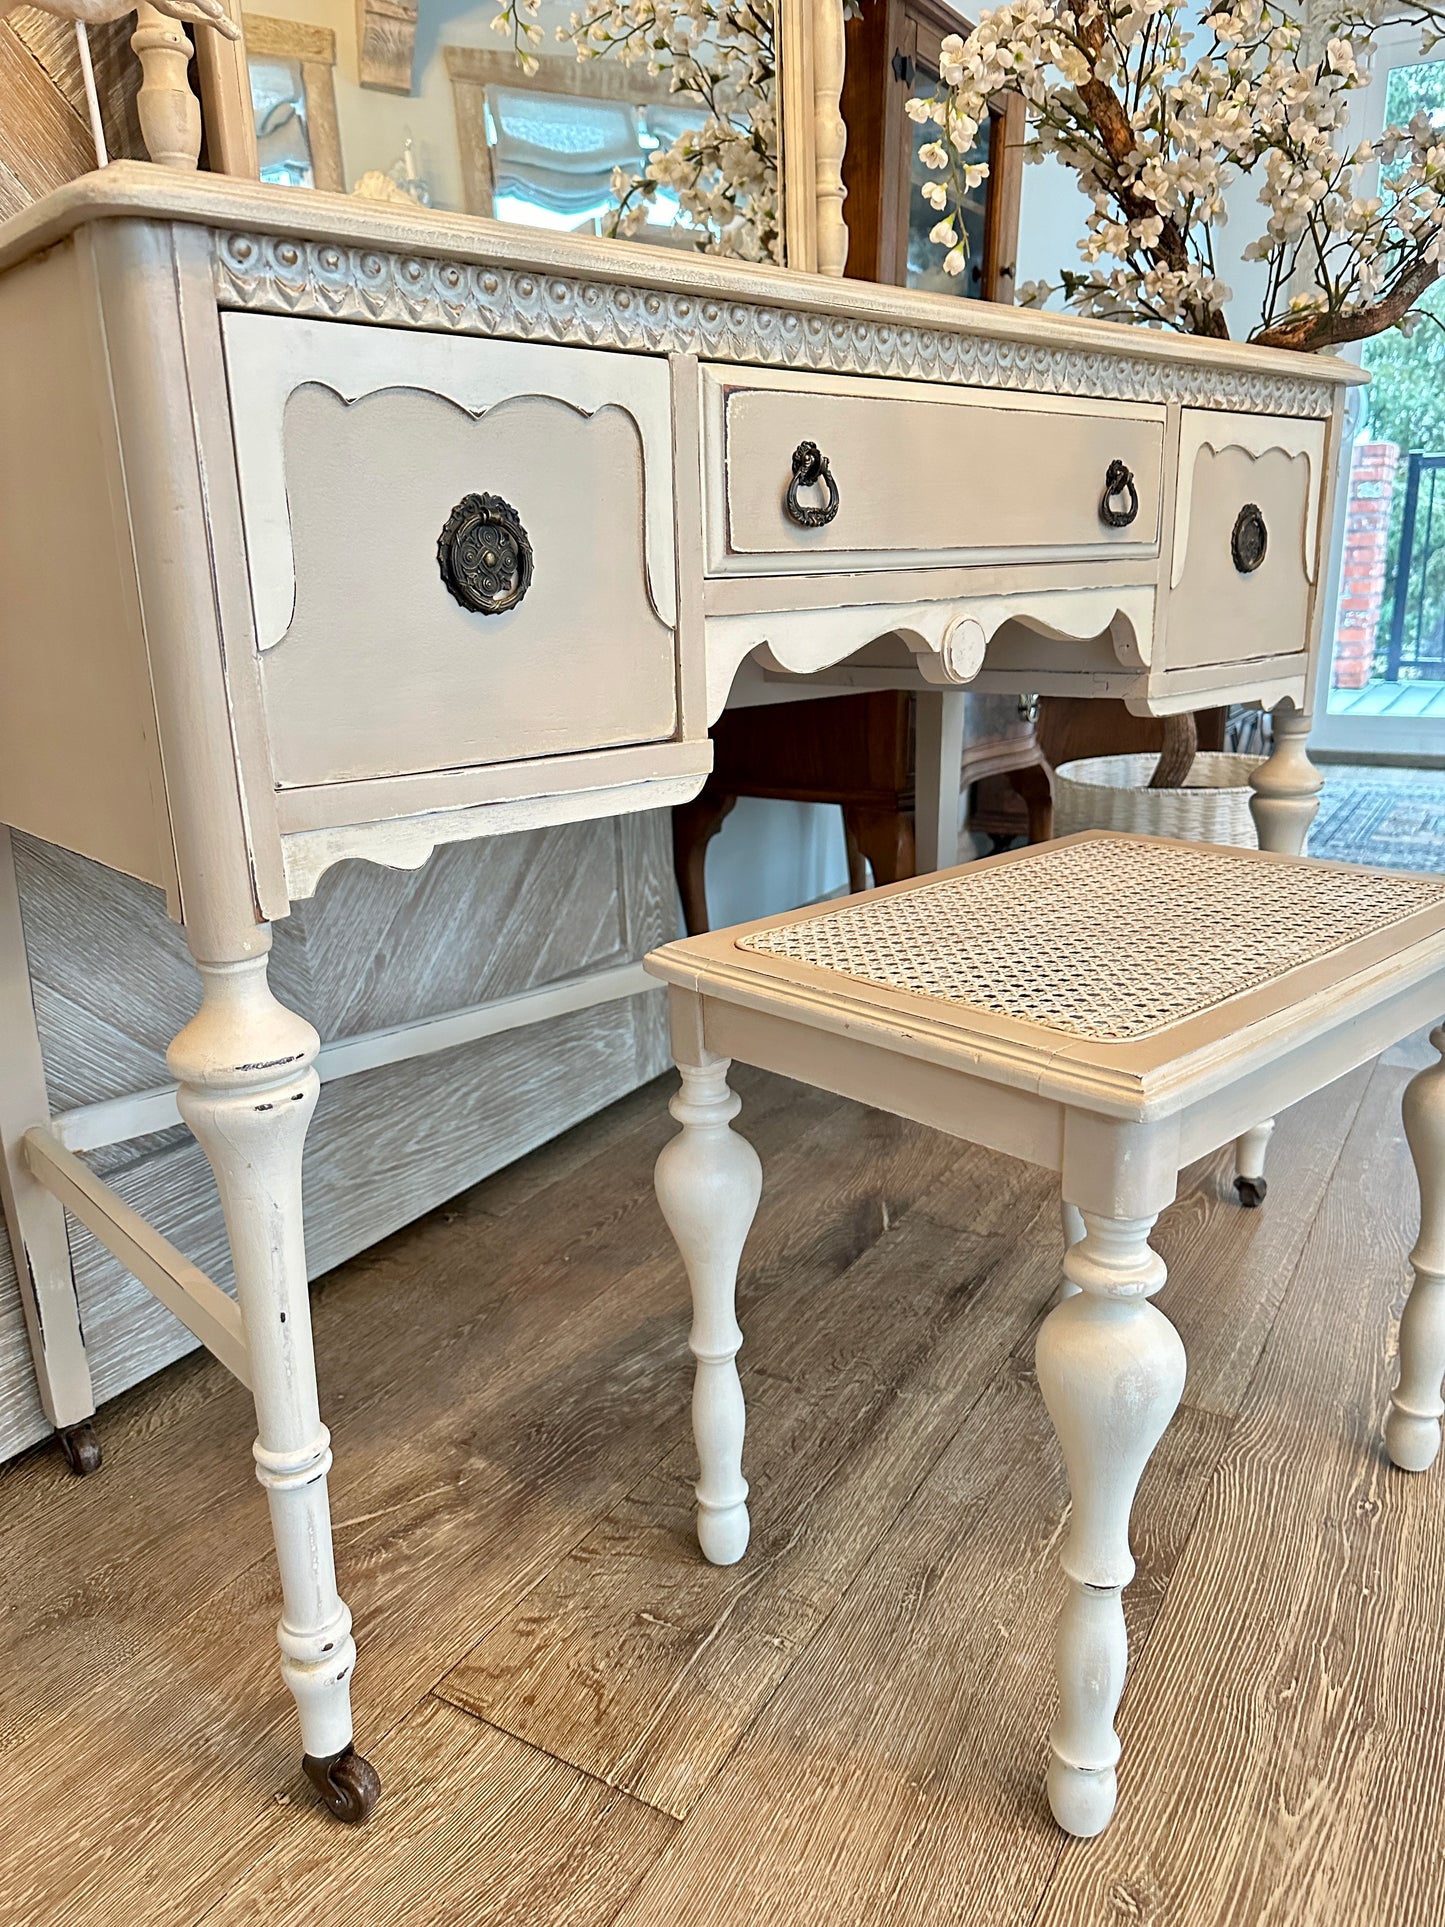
(1118, 480)
(485, 555)
(811, 470)
(1249, 538)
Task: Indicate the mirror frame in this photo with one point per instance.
(810, 80)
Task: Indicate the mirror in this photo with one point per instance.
(562, 114)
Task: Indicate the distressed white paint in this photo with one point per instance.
(245, 1067)
(1115, 1072)
(183, 1288)
(119, 1119)
(1412, 1431)
(709, 1181)
(1111, 1370)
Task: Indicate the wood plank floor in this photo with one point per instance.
(577, 1721)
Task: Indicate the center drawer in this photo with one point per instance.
(922, 474)
(460, 551)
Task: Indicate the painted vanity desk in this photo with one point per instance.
(347, 532)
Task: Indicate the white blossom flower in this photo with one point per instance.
(1194, 111)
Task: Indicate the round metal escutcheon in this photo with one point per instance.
(1249, 540)
(485, 555)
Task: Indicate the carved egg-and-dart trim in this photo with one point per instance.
(485, 555)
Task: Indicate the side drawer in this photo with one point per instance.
(925, 474)
(355, 445)
(1262, 476)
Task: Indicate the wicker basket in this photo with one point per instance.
(1112, 793)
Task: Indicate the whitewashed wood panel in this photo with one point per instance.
(375, 947)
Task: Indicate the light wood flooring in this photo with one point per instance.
(576, 1721)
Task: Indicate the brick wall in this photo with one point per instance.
(1362, 575)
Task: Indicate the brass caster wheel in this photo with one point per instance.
(81, 1448)
(348, 1784)
(1251, 1192)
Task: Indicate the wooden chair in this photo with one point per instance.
(858, 752)
(1108, 1007)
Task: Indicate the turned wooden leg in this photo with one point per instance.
(248, 1087)
(1249, 1180)
(1073, 1222)
(1286, 786)
(694, 825)
(708, 1184)
(1285, 802)
(1111, 1369)
(1412, 1431)
(885, 837)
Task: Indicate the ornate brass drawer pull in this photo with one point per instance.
(811, 470)
(485, 555)
(1118, 480)
(1250, 538)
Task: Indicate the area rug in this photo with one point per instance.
(1393, 826)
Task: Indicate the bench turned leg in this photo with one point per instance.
(1249, 1153)
(1111, 1369)
(708, 1183)
(1073, 1222)
(1412, 1431)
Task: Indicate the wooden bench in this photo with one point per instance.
(1109, 1007)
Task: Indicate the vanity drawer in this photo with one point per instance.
(924, 474)
(357, 448)
(1246, 537)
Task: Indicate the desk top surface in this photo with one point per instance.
(341, 236)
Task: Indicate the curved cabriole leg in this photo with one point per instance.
(1412, 1431)
(1111, 1369)
(708, 1182)
(248, 1087)
(1249, 1153)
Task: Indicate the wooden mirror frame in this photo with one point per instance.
(888, 43)
(812, 134)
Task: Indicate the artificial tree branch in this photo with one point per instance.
(1308, 333)
(1117, 134)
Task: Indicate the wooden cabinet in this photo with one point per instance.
(893, 48)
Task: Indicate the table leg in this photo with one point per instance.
(1286, 801)
(1111, 1369)
(708, 1182)
(35, 1220)
(1286, 786)
(1412, 1431)
(245, 1066)
(937, 768)
(1249, 1180)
